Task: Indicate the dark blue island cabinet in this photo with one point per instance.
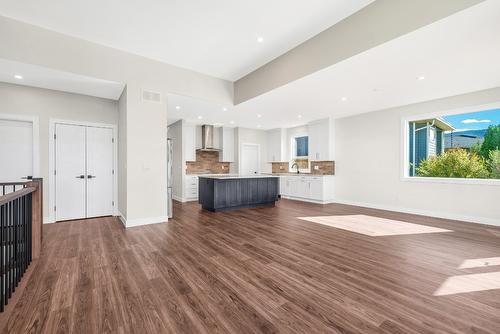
(222, 193)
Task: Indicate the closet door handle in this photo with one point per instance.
(91, 176)
(80, 176)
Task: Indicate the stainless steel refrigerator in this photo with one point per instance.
(169, 177)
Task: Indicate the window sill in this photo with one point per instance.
(490, 182)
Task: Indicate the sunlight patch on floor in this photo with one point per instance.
(469, 283)
(484, 262)
(373, 226)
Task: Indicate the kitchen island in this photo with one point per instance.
(222, 193)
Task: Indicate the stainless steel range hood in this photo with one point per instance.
(207, 138)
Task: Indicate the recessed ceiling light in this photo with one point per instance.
(177, 107)
(224, 109)
(260, 39)
(200, 117)
(18, 77)
(259, 115)
(231, 122)
(421, 77)
(299, 116)
(344, 98)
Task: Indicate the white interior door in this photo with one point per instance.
(250, 159)
(16, 150)
(84, 171)
(99, 172)
(70, 173)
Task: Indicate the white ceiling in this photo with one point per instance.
(216, 37)
(188, 108)
(42, 77)
(456, 55)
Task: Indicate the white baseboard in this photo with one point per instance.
(127, 223)
(183, 200)
(143, 221)
(307, 200)
(122, 218)
(178, 199)
(468, 219)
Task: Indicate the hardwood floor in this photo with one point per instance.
(258, 271)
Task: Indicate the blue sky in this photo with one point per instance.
(474, 120)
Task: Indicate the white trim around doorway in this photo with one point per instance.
(52, 184)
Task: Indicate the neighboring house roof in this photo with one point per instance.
(438, 122)
(464, 139)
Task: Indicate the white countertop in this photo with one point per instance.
(258, 175)
(208, 174)
(299, 174)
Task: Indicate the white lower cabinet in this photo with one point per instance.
(318, 189)
(191, 188)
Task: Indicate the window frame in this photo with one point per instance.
(405, 151)
(293, 150)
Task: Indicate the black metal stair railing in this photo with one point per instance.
(15, 239)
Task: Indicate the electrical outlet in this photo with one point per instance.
(223, 167)
(281, 167)
(316, 167)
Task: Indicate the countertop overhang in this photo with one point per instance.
(219, 177)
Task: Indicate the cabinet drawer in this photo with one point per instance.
(191, 192)
(193, 183)
(191, 188)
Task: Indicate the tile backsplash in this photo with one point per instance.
(279, 167)
(207, 162)
(323, 167)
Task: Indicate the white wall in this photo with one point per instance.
(47, 104)
(146, 122)
(122, 154)
(369, 163)
(252, 136)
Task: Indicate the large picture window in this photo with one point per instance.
(300, 153)
(460, 146)
(302, 147)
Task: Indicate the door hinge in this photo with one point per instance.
(54, 208)
(112, 140)
(113, 171)
(113, 203)
(54, 136)
(54, 172)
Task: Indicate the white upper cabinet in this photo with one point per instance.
(218, 137)
(226, 144)
(189, 141)
(321, 137)
(276, 139)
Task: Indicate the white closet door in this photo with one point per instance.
(70, 172)
(99, 172)
(16, 150)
